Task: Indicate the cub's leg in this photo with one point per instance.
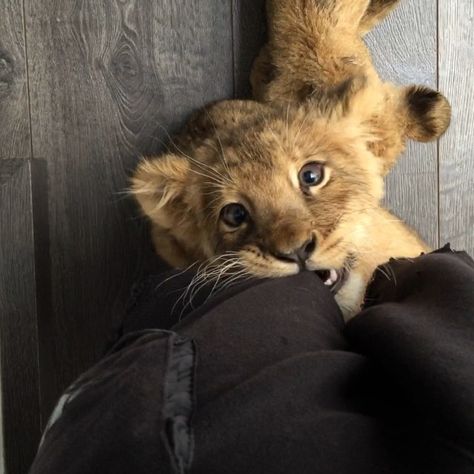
(312, 46)
(322, 15)
(315, 41)
(363, 15)
(262, 74)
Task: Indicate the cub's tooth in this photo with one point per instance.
(328, 282)
(333, 275)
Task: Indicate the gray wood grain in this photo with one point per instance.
(405, 52)
(18, 317)
(456, 62)
(109, 79)
(249, 36)
(14, 117)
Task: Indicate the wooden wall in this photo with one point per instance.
(86, 88)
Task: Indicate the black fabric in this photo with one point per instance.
(266, 378)
(112, 419)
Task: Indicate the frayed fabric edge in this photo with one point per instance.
(179, 402)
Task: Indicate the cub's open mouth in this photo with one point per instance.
(334, 279)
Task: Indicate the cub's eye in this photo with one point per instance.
(234, 215)
(311, 174)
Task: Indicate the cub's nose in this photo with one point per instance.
(301, 254)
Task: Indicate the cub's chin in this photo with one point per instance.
(350, 296)
(344, 283)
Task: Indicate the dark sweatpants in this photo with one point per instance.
(265, 378)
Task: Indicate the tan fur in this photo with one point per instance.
(322, 102)
(316, 47)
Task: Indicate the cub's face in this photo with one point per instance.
(267, 195)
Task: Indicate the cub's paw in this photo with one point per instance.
(428, 113)
(376, 12)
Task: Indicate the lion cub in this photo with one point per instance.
(294, 183)
(274, 192)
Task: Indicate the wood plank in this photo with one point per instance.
(107, 79)
(405, 52)
(18, 317)
(456, 62)
(249, 36)
(14, 114)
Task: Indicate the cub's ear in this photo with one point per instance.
(428, 113)
(159, 185)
